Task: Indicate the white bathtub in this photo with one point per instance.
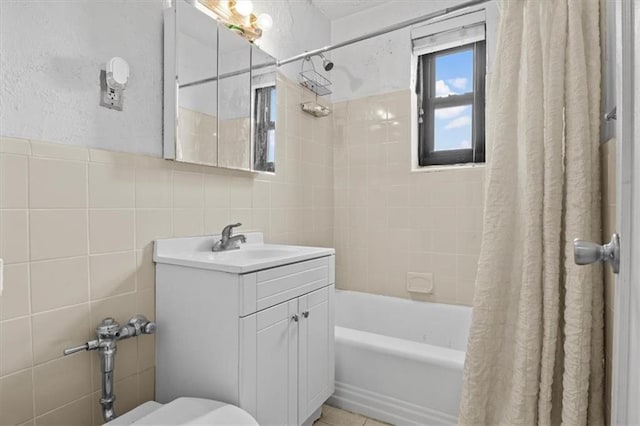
(399, 360)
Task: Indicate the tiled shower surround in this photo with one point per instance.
(77, 225)
(389, 220)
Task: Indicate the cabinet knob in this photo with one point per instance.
(295, 317)
(305, 314)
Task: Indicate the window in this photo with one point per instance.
(451, 105)
(265, 129)
(451, 58)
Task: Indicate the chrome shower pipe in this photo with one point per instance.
(429, 17)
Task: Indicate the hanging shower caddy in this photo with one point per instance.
(313, 80)
(318, 84)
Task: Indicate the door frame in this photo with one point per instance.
(625, 403)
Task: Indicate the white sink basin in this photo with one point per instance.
(255, 251)
(252, 256)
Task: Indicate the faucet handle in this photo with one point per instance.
(226, 231)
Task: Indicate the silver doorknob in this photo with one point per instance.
(586, 252)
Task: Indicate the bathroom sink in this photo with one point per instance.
(252, 256)
(255, 251)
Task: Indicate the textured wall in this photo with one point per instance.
(52, 53)
(378, 65)
(383, 64)
(297, 27)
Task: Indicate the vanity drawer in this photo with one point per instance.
(262, 289)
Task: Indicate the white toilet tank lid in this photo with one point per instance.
(191, 411)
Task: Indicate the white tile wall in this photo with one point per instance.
(76, 232)
(390, 221)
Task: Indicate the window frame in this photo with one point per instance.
(428, 103)
(262, 126)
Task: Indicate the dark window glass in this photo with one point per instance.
(265, 129)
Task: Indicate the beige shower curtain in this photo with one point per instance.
(535, 351)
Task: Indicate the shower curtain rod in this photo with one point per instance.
(429, 17)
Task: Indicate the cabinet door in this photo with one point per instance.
(269, 373)
(316, 354)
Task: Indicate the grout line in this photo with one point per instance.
(51, 260)
(61, 406)
(33, 379)
(74, 305)
(136, 169)
(48, 311)
(111, 253)
(13, 373)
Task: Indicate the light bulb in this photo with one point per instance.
(264, 22)
(244, 7)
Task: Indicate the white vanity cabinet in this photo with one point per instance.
(262, 340)
(287, 365)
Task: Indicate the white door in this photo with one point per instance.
(269, 391)
(316, 354)
(625, 402)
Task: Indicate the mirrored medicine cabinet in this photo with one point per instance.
(219, 93)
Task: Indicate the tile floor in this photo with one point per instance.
(332, 416)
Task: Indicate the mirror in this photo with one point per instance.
(264, 110)
(234, 97)
(219, 93)
(196, 41)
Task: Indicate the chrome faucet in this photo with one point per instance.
(108, 332)
(228, 242)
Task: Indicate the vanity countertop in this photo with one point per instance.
(252, 256)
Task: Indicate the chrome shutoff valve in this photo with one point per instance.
(108, 332)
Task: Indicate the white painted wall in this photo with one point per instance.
(298, 26)
(51, 53)
(382, 64)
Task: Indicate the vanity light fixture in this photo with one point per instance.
(243, 7)
(238, 16)
(264, 22)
